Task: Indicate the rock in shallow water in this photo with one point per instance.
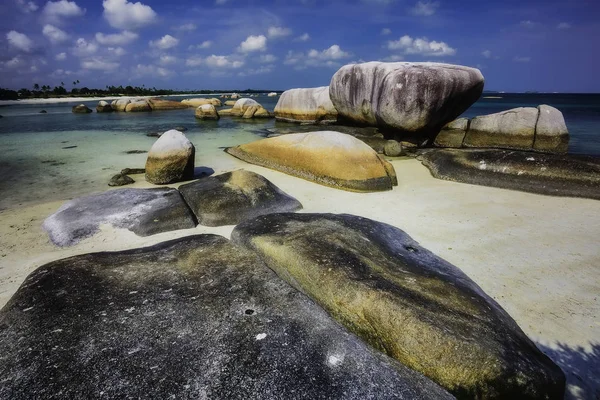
(549, 174)
(306, 105)
(405, 301)
(143, 211)
(329, 158)
(171, 159)
(233, 197)
(80, 109)
(195, 318)
(120, 180)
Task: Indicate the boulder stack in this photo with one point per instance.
(171, 159)
(120, 104)
(206, 111)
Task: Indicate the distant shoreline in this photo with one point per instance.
(55, 100)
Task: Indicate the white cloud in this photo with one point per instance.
(276, 32)
(386, 31)
(99, 64)
(204, 45)
(20, 41)
(264, 69)
(165, 42)
(27, 6)
(186, 27)
(194, 61)
(421, 46)
(55, 10)
(333, 53)
(151, 70)
(166, 59)
(267, 59)
(54, 34)
(253, 43)
(223, 62)
(305, 37)
(327, 58)
(117, 51)
(60, 56)
(116, 39)
(563, 26)
(486, 53)
(15, 62)
(84, 48)
(522, 59)
(425, 8)
(122, 14)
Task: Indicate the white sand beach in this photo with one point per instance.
(537, 256)
(58, 100)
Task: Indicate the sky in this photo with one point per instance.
(547, 46)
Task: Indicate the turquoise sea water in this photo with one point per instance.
(38, 162)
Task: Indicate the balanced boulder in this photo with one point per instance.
(329, 158)
(193, 318)
(103, 107)
(415, 99)
(159, 104)
(551, 134)
(81, 109)
(405, 301)
(511, 129)
(138, 106)
(306, 105)
(197, 102)
(452, 134)
(171, 159)
(549, 174)
(145, 212)
(206, 111)
(248, 108)
(230, 198)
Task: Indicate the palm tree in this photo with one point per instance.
(36, 86)
(62, 84)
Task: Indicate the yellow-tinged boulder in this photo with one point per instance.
(171, 159)
(197, 102)
(206, 111)
(138, 106)
(159, 104)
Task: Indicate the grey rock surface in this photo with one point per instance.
(551, 133)
(511, 129)
(170, 159)
(402, 299)
(120, 180)
(233, 197)
(143, 211)
(195, 318)
(549, 174)
(306, 105)
(452, 134)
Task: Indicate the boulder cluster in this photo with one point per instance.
(245, 108)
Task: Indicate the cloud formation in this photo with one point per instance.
(54, 34)
(421, 46)
(20, 41)
(253, 43)
(122, 14)
(425, 8)
(165, 42)
(116, 39)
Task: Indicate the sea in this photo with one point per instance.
(59, 155)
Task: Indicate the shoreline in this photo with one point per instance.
(57, 100)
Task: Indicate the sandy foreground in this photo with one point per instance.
(87, 99)
(538, 256)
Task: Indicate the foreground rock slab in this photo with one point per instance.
(195, 318)
(327, 157)
(311, 105)
(233, 197)
(402, 299)
(549, 174)
(414, 99)
(143, 211)
(170, 159)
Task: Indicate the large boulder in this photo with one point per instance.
(81, 109)
(206, 111)
(551, 134)
(511, 129)
(414, 99)
(138, 106)
(405, 301)
(193, 318)
(103, 107)
(329, 158)
(120, 104)
(230, 198)
(306, 105)
(159, 104)
(452, 134)
(145, 212)
(549, 174)
(171, 159)
(197, 102)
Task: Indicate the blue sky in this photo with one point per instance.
(276, 44)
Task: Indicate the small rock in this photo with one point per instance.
(133, 171)
(135, 152)
(43, 112)
(120, 180)
(392, 148)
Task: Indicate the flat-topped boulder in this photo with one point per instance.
(206, 111)
(197, 102)
(193, 318)
(103, 107)
(326, 157)
(511, 129)
(145, 212)
(413, 99)
(233, 197)
(306, 105)
(549, 174)
(81, 109)
(160, 104)
(405, 301)
(170, 159)
(138, 106)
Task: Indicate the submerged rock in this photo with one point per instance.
(159, 104)
(43, 112)
(145, 212)
(416, 99)
(230, 198)
(329, 158)
(452, 134)
(403, 300)
(81, 109)
(171, 159)
(511, 129)
(120, 180)
(103, 107)
(549, 174)
(197, 102)
(206, 111)
(306, 105)
(193, 318)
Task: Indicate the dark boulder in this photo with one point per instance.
(230, 198)
(549, 174)
(133, 171)
(145, 212)
(194, 318)
(120, 180)
(43, 112)
(81, 109)
(405, 301)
